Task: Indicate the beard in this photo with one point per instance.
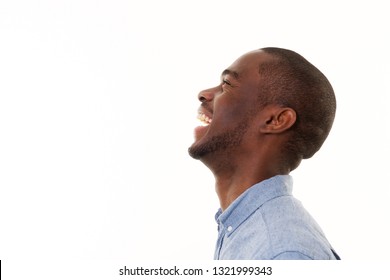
(223, 142)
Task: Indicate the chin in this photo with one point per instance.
(198, 149)
(194, 152)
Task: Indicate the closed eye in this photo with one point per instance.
(226, 82)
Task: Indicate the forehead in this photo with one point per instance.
(249, 63)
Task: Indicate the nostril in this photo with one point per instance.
(205, 95)
(202, 98)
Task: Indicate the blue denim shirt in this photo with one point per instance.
(267, 222)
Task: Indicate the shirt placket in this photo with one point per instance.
(218, 247)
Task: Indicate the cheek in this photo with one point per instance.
(226, 111)
(236, 105)
(235, 111)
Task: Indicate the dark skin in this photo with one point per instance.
(242, 145)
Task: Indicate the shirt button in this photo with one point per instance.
(229, 228)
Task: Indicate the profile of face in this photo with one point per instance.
(227, 111)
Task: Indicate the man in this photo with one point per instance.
(271, 110)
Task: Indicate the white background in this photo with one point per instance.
(98, 105)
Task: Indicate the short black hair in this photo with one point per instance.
(291, 81)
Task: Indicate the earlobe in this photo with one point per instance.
(278, 120)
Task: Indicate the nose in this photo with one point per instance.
(206, 95)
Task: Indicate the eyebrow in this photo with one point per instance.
(230, 72)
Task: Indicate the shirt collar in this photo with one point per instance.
(252, 199)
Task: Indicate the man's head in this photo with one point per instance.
(271, 102)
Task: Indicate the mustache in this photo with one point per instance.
(206, 107)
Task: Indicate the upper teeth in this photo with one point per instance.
(204, 119)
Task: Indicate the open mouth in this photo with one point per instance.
(202, 129)
(204, 120)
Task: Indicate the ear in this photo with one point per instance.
(277, 119)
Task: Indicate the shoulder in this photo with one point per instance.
(292, 232)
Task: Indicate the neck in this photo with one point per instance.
(231, 180)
